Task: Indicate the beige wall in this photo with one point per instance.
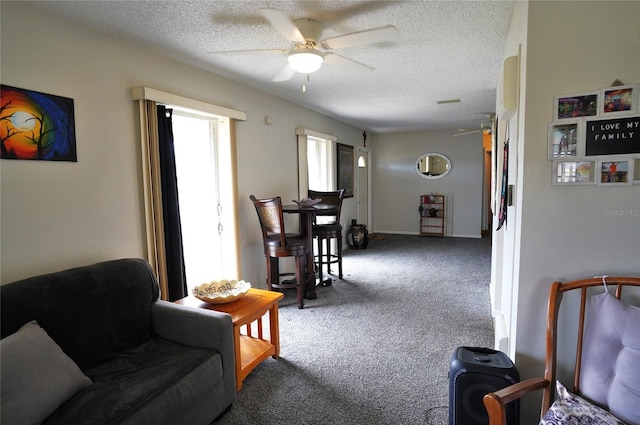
(397, 186)
(57, 215)
(565, 232)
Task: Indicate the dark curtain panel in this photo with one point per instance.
(176, 275)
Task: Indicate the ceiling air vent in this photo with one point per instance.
(444, 102)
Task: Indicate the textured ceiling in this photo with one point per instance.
(446, 50)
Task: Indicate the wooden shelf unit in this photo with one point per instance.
(432, 225)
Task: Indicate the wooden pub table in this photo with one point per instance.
(249, 338)
(307, 215)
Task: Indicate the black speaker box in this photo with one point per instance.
(474, 372)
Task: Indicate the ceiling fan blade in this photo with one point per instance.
(468, 132)
(242, 52)
(376, 35)
(283, 24)
(284, 74)
(485, 115)
(338, 60)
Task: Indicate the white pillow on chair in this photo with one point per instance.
(611, 357)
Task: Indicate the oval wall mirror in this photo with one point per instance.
(433, 165)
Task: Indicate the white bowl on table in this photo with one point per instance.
(222, 291)
(308, 202)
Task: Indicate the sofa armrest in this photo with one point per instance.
(192, 326)
(495, 402)
(198, 328)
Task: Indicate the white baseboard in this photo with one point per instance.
(394, 232)
(397, 232)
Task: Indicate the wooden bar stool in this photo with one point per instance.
(278, 244)
(325, 232)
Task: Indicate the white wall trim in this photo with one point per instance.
(307, 132)
(501, 334)
(146, 93)
(394, 232)
(398, 232)
(303, 168)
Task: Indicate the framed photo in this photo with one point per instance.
(344, 165)
(619, 100)
(612, 136)
(576, 105)
(615, 172)
(573, 173)
(564, 140)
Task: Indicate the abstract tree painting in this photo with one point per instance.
(36, 125)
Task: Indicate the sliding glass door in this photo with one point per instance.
(203, 174)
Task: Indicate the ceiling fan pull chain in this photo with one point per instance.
(304, 86)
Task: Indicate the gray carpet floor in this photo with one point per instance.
(375, 347)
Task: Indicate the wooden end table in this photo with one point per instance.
(247, 313)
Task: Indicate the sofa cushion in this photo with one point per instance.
(611, 357)
(36, 375)
(92, 312)
(147, 385)
(570, 409)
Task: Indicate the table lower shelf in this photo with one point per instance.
(252, 352)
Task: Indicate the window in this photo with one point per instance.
(203, 171)
(316, 162)
(320, 172)
(224, 119)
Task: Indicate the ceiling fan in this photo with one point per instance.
(309, 50)
(485, 126)
(465, 131)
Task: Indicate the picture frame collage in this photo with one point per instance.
(595, 137)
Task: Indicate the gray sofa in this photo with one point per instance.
(116, 353)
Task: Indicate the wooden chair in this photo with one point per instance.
(327, 231)
(278, 244)
(582, 385)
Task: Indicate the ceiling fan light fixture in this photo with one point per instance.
(305, 61)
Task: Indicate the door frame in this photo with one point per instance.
(367, 154)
